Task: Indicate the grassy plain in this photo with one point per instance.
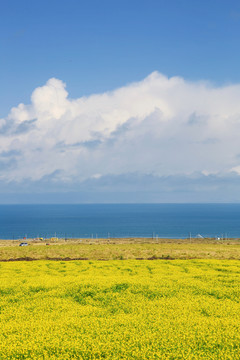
(181, 309)
(123, 249)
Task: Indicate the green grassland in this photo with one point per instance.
(132, 309)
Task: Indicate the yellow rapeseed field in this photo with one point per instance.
(131, 309)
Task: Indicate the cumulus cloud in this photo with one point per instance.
(159, 126)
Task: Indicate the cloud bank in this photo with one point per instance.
(161, 128)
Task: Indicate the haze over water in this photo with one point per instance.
(120, 220)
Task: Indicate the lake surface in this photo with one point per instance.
(120, 220)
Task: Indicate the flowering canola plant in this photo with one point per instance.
(131, 309)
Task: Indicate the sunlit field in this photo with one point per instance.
(121, 249)
(132, 309)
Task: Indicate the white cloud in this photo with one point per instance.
(158, 126)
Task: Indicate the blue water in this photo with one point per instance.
(119, 220)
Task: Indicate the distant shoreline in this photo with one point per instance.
(118, 240)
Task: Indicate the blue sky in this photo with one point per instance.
(110, 48)
(96, 46)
